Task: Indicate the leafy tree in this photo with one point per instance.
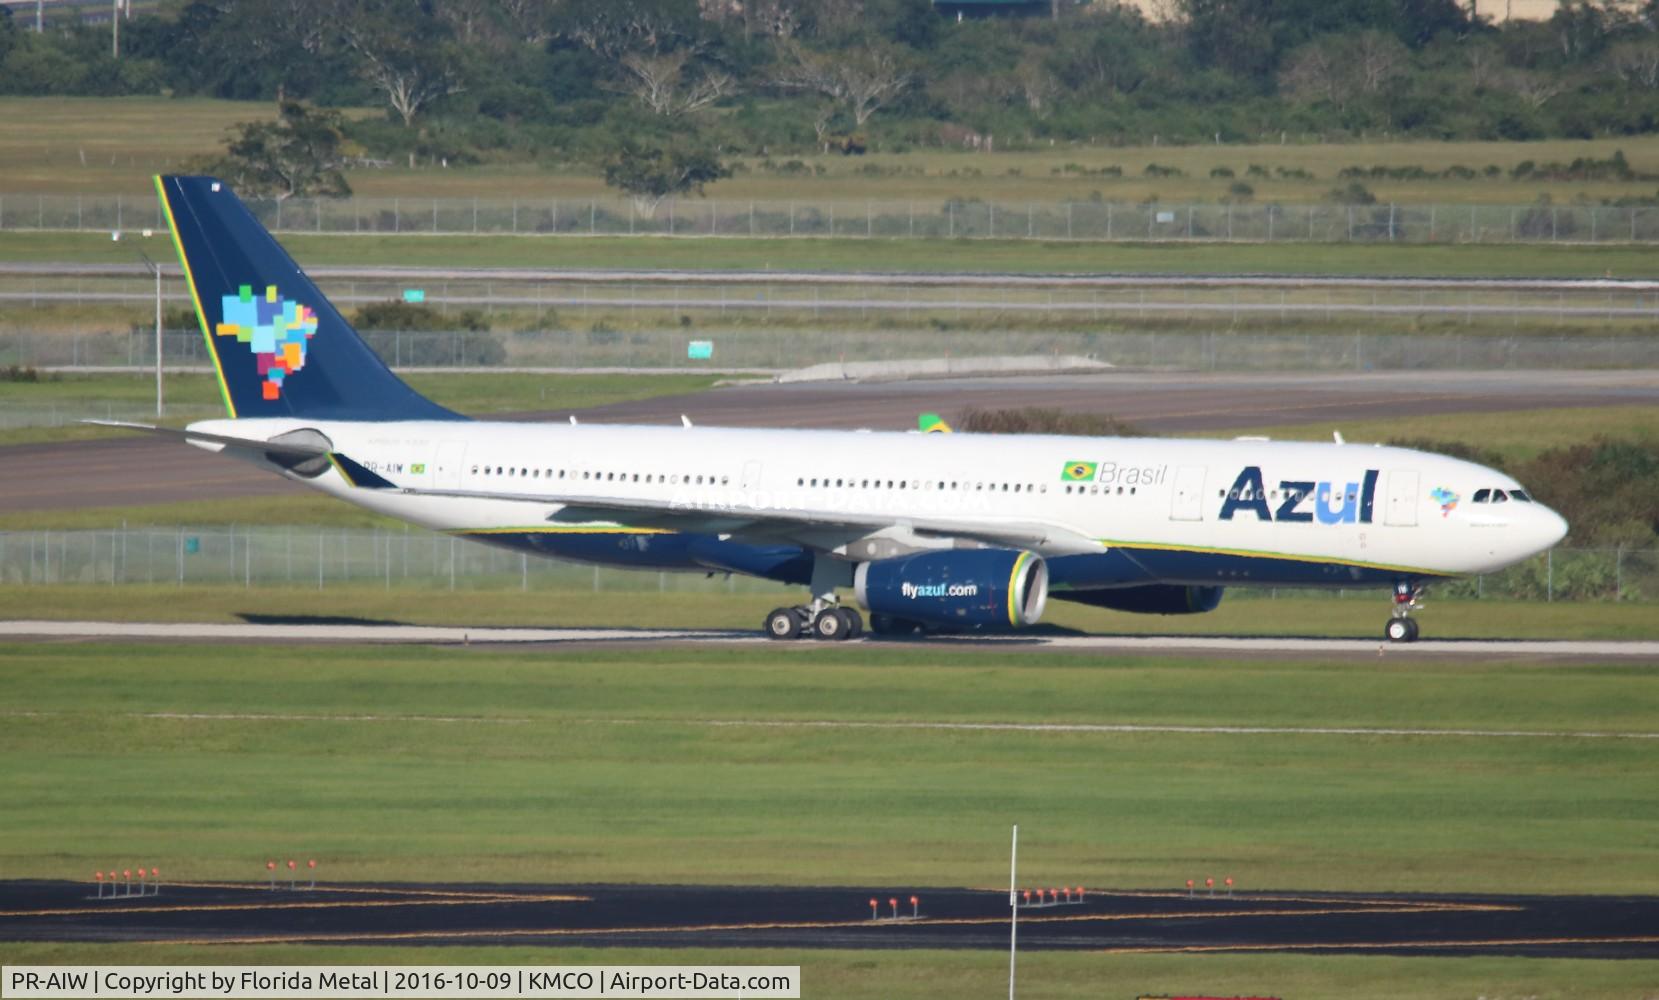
(404, 53)
(861, 80)
(300, 154)
(650, 173)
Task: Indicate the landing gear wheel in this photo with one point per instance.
(855, 623)
(783, 623)
(831, 625)
(1401, 630)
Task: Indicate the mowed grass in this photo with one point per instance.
(67, 145)
(885, 255)
(638, 604)
(925, 975)
(645, 765)
(1515, 434)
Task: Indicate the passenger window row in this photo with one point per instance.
(959, 485)
(1095, 488)
(1274, 495)
(671, 479)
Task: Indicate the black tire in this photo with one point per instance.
(1400, 630)
(855, 623)
(782, 623)
(1414, 630)
(830, 625)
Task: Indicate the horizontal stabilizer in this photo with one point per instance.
(244, 444)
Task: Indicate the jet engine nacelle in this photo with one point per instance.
(1151, 599)
(968, 588)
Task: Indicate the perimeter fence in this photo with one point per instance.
(323, 558)
(953, 218)
(713, 347)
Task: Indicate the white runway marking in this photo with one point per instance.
(1107, 728)
(281, 633)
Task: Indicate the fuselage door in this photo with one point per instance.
(751, 475)
(447, 471)
(1402, 498)
(1188, 501)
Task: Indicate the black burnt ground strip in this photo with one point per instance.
(838, 917)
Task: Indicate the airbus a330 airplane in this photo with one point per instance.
(929, 531)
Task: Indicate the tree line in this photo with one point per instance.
(563, 80)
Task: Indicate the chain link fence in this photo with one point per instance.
(1104, 221)
(321, 558)
(755, 348)
(312, 557)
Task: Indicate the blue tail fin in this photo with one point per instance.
(280, 348)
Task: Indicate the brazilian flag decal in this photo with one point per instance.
(1077, 472)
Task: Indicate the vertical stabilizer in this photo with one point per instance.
(279, 347)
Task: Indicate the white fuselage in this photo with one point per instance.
(1265, 511)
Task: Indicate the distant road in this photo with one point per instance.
(913, 278)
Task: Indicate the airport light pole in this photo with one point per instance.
(155, 270)
(1013, 907)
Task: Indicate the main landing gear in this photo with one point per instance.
(1401, 626)
(829, 622)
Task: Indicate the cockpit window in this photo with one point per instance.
(1499, 496)
(1520, 495)
(1483, 496)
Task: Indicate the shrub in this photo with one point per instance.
(1354, 194)
(1043, 420)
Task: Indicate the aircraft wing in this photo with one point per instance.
(804, 526)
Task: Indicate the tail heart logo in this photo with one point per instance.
(276, 329)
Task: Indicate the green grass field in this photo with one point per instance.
(608, 765)
(577, 765)
(1515, 434)
(66, 145)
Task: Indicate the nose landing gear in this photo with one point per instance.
(1401, 626)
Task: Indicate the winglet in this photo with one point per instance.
(357, 476)
(932, 423)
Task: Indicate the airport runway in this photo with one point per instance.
(834, 917)
(137, 470)
(260, 633)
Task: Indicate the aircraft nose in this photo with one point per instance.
(1552, 527)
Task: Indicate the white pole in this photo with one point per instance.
(1013, 907)
(157, 269)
